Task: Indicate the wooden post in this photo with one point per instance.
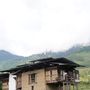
(76, 86)
(73, 86)
(63, 86)
(59, 87)
(69, 86)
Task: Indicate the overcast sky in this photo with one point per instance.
(33, 26)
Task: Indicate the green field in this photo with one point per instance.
(84, 79)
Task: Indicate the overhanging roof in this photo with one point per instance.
(4, 76)
(43, 63)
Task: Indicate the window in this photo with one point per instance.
(19, 89)
(32, 78)
(5, 83)
(32, 87)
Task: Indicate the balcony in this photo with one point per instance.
(55, 77)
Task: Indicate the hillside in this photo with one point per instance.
(79, 54)
(4, 55)
(9, 60)
(55, 54)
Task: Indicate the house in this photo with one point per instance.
(4, 78)
(43, 74)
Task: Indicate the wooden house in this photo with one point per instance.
(5, 82)
(44, 74)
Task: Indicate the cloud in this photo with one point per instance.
(34, 26)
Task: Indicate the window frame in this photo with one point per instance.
(32, 78)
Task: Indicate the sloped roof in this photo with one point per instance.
(4, 76)
(43, 63)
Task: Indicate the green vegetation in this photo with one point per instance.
(84, 86)
(82, 58)
(84, 79)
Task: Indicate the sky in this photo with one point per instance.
(33, 26)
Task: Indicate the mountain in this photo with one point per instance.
(55, 54)
(4, 55)
(81, 56)
(9, 60)
(78, 54)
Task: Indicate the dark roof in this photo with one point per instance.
(4, 76)
(43, 63)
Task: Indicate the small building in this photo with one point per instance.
(4, 78)
(43, 74)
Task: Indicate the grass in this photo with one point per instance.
(84, 86)
(84, 79)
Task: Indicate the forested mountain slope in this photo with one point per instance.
(79, 54)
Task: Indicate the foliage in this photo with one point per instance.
(82, 58)
(84, 86)
(84, 79)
